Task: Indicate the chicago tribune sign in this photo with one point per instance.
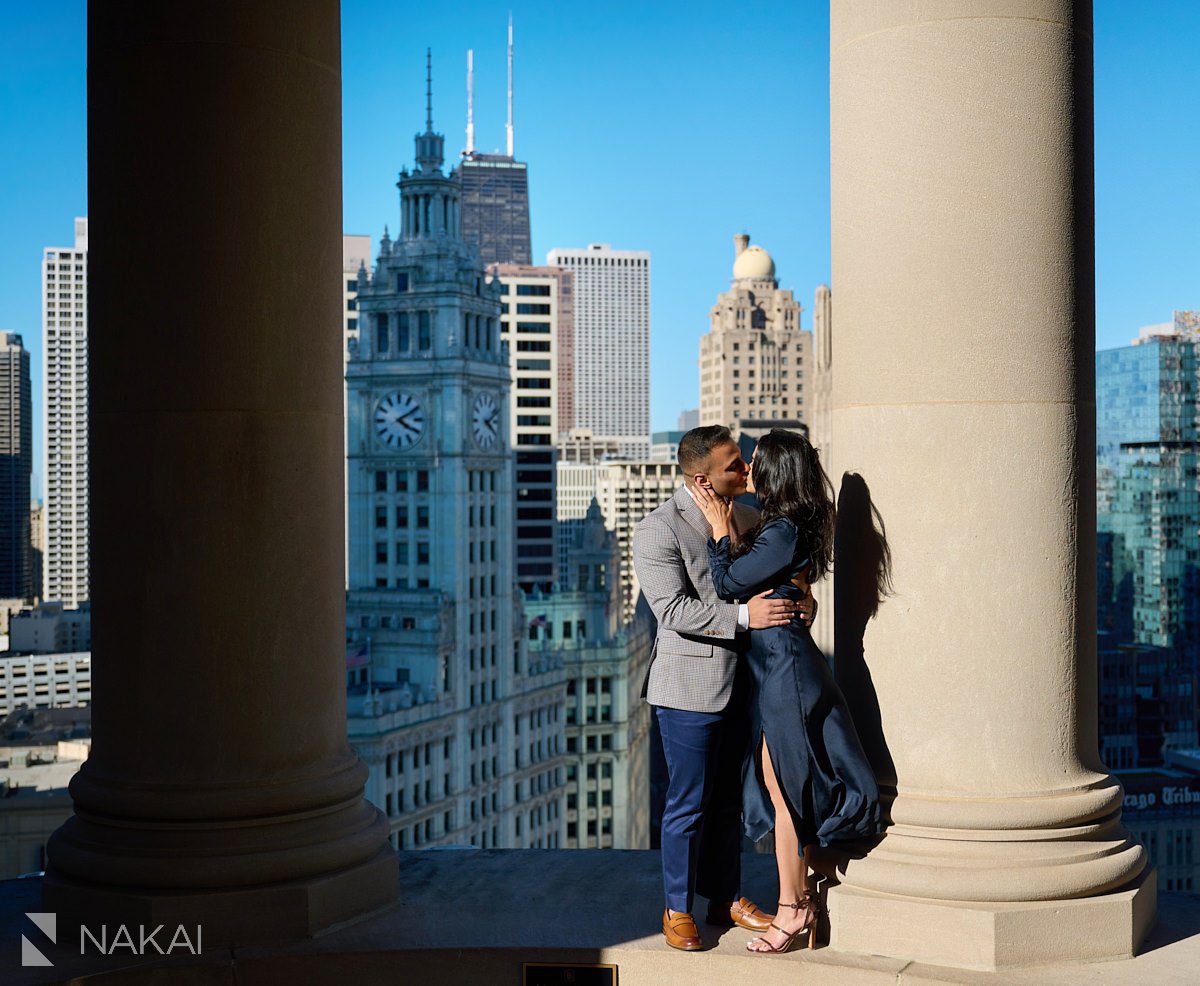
(108, 940)
(1167, 796)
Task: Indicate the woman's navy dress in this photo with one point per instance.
(819, 762)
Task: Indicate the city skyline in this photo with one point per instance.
(644, 104)
(478, 715)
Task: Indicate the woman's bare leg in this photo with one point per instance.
(793, 874)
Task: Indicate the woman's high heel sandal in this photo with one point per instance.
(810, 924)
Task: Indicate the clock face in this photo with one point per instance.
(399, 420)
(485, 421)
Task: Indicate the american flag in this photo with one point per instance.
(539, 620)
(358, 655)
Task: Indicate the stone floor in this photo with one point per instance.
(470, 916)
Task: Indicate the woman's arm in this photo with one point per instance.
(771, 554)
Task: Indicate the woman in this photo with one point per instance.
(819, 787)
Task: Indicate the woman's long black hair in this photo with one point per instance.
(789, 482)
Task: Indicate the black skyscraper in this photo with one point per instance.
(16, 464)
(495, 207)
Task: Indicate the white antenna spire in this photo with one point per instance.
(470, 101)
(508, 130)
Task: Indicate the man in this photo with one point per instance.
(698, 686)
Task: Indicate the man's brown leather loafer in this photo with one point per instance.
(741, 912)
(681, 932)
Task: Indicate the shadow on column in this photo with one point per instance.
(862, 580)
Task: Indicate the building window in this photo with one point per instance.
(402, 281)
(422, 552)
(381, 483)
(381, 552)
(402, 341)
(424, 336)
(381, 332)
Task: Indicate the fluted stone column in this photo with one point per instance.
(221, 789)
(963, 412)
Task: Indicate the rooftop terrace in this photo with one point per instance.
(580, 907)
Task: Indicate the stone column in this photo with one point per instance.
(817, 398)
(963, 412)
(221, 789)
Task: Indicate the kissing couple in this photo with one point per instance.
(755, 730)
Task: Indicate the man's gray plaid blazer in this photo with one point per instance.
(696, 651)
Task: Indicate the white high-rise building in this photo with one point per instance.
(356, 257)
(626, 492)
(612, 342)
(537, 325)
(356, 253)
(64, 399)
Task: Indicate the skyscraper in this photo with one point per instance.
(459, 731)
(65, 469)
(356, 253)
(612, 343)
(496, 207)
(16, 466)
(37, 532)
(625, 490)
(1148, 525)
(607, 723)
(495, 188)
(754, 361)
(537, 317)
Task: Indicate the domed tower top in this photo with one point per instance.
(751, 263)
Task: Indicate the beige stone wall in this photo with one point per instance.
(820, 432)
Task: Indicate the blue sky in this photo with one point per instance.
(666, 127)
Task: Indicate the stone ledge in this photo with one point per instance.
(994, 936)
(582, 906)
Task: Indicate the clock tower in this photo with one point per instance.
(430, 523)
(429, 482)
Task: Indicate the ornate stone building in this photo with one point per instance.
(754, 362)
(460, 733)
(607, 724)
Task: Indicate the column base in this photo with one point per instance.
(262, 915)
(994, 936)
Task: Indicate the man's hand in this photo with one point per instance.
(764, 612)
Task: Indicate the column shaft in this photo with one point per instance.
(964, 432)
(220, 759)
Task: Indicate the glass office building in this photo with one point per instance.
(1148, 525)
